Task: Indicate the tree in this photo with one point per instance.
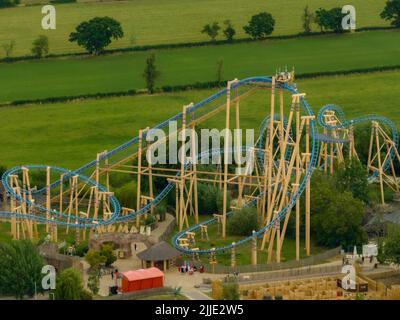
(389, 249)
(94, 258)
(94, 281)
(211, 30)
(96, 34)
(207, 198)
(229, 31)
(151, 73)
(230, 291)
(20, 269)
(82, 248)
(321, 18)
(336, 217)
(220, 70)
(210, 199)
(108, 253)
(69, 285)
(329, 19)
(126, 195)
(307, 19)
(392, 12)
(40, 46)
(9, 3)
(2, 170)
(352, 176)
(243, 222)
(8, 48)
(260, 25)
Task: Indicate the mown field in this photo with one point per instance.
(74, 76)
(160, 21)
(71, 134)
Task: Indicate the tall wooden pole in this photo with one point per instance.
(139, 178)
(48, 199)
(308, 191)
(226, 155)
(254, 249)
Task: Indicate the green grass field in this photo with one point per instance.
(71, 134)
(243, 256)
(159, 21)
(60, 77)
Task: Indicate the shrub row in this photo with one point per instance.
(346, 72)
(186, 44)
(185, 87)
(72, 98)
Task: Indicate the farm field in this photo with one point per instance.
(70, 134)
(120, 72)
(159, 21)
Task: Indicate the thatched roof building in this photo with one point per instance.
(160, 255)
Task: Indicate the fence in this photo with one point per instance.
(140, 294)
(291, 273)
(276, 266)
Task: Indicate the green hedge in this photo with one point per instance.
(185, 87)
(187, 44)
(62, 1)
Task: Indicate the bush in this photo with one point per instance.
(82, 248)
(86, 295)
(243, 222)
(119, 179)
(151, 219)
(94, 281)
(70, 286)
(260, 25)
(389, 248)
(94, 258)
(126, 195)
(107, 251)
(161, 210)
(20, 268)
(40, 46)
(230, 291)
(210, 199)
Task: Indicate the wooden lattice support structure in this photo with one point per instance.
(381, 149)
(331, 149)
(278, 183)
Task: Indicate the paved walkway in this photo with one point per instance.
(173, 278)
(196, 295)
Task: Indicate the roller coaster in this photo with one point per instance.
(291, 143)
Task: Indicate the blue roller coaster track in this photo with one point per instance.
(79, 222)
